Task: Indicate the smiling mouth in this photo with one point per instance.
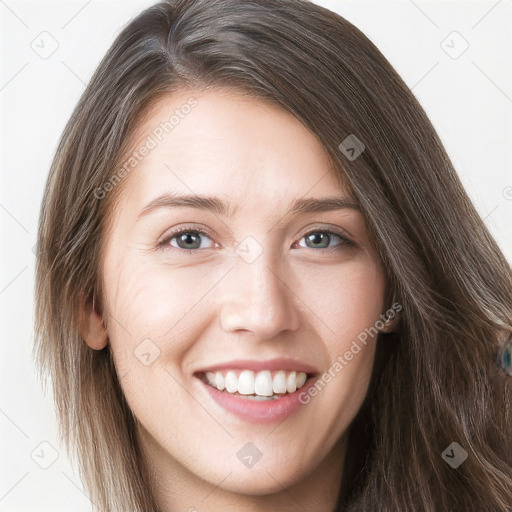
(260, 385)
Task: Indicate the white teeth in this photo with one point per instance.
(257, 397)
(291, 386)
(210, 377)
(246, 383)
(263, 383)
(256, 384)
(279, 382)
(300, 379)
(231, 382)
(219, 381)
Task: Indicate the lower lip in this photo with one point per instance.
(259, 411)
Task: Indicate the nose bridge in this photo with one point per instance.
(255, 295)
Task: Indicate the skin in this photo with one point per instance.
(212, 306)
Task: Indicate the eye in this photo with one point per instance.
(189, 239)
(322, 239)
(185, 239)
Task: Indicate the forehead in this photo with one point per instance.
(249, 152)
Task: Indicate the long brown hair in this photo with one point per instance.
(435, 381)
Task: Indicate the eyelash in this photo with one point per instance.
(164, 244)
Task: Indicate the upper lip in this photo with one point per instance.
(270, 364)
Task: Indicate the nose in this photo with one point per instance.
(257, 298)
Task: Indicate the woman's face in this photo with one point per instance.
(275, 284)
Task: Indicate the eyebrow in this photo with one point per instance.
(217, 206)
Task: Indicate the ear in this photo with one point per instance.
(92, 327)
(390, 325)
(392, 314)
(392, 322)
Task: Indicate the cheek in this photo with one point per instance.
(349, 304)
(141, 296)
(153, 302)
(346, 298)
(150, 313)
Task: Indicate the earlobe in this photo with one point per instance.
(390, 325)
(92, 327)
(391, 318)
(392, 321)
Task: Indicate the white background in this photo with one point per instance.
(468, 99)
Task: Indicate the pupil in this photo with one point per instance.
(316, 238)
(186, 238)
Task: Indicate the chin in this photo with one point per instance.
(259, 484)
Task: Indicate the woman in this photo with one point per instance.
(260, 283)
